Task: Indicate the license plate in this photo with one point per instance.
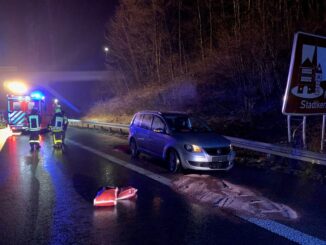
(220, 159)
(215, 165)
(218, 165)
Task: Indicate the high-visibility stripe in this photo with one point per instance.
(34, 123)
(19, 118)
(16, 114)
(56, 141)
(56, 130)
(34, 141)
(34, 129)
(12, 114)
(21, 122)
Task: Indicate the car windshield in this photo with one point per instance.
(184, 123)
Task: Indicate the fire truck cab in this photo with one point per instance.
(20, 106)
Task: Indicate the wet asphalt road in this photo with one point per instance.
(46, 198)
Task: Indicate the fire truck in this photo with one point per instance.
(20, 106)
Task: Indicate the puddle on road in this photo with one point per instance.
(230, 197)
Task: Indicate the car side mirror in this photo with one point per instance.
(159, 130)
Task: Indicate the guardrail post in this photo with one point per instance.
(323, 134)
(289, 129)
(304, 132)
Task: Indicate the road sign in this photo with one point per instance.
(306, 85)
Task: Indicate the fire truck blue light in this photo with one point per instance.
(37, 95)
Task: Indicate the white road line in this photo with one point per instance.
(269, 225)
(284, 231)
(133, 167)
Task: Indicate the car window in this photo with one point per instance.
(158, 123)
(147, 121)
(16, 106)
(184, 123)
(137, 120)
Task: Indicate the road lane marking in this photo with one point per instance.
(284, 231)
(269, 225)
(133, 167)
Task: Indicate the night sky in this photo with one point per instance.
(53, 34)
(50, 35)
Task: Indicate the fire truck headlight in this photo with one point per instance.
(16, 87)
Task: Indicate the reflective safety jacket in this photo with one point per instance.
(34, 122)
(57, 123)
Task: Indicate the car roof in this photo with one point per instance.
(165, 113)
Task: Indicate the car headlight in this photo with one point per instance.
(193, 148)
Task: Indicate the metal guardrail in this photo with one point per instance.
(284, 151)
(99, 125)
(278, 150)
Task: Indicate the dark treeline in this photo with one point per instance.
(241, 46)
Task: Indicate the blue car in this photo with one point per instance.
(180, 139)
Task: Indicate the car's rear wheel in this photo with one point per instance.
(134, 148)
(174, 161)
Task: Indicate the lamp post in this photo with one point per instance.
(106, 50)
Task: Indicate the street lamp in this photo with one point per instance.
(106, 50)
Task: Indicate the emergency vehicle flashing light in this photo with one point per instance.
(37, 95)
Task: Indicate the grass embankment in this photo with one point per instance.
(120, 109)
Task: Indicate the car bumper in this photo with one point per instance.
(203, 161)
(18, 127)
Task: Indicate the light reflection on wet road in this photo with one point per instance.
(46, 197)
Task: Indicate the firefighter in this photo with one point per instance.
(34, 122)
(57, 124)
(65, 126)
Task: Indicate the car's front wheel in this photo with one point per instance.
(174, 161)
(134, 148)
